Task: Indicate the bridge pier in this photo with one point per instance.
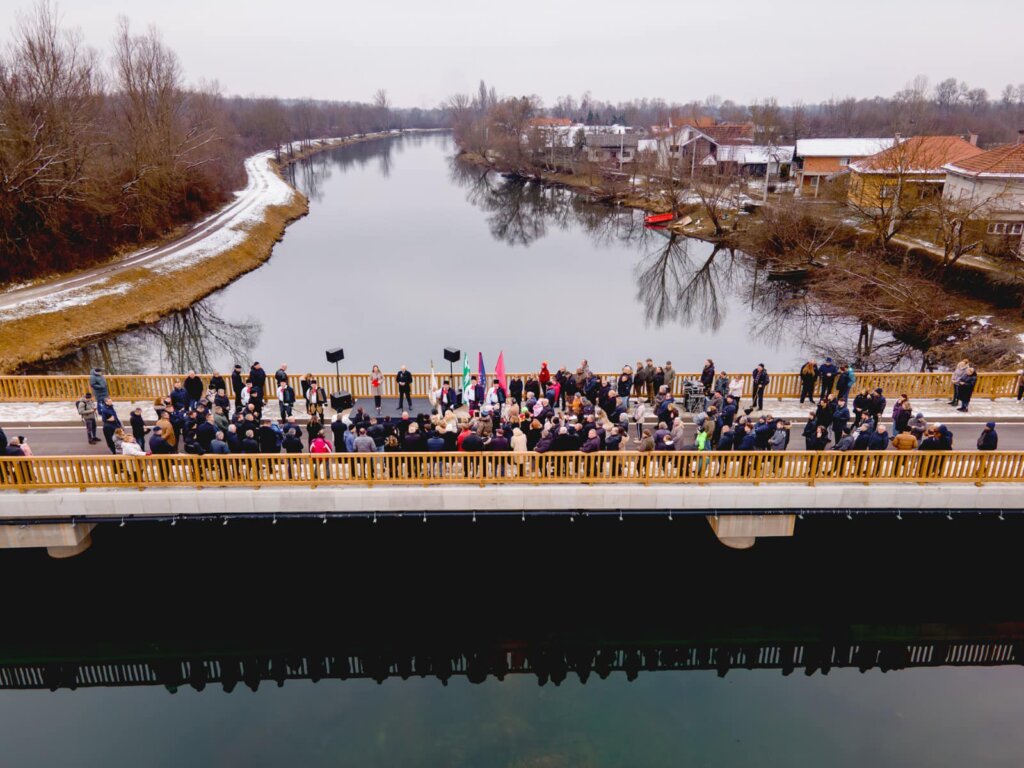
(60, 539)
(742, 531)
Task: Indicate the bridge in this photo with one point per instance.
(58, 500)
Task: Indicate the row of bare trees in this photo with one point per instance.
(99, 152)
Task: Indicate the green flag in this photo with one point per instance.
(465, 376)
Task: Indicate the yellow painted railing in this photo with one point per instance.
(783, 385)
(508, 468)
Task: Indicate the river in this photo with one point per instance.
(406, 251)
(400, 592)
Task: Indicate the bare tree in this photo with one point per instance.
(49, 107)
(714, 185)
(961, 222)
(789, 228)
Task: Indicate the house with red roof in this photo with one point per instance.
(993, 183)
(907, 172)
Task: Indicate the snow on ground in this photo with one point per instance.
(213, 235)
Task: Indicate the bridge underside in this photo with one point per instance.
(62, 520)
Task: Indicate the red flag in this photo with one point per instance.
(499, 372)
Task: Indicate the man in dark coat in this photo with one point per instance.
(237, 384)
(195, 388)
(988, 440)
(258, 377)
(827, 372)
(759, 383)
(404, 380)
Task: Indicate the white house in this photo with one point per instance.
(994, 179)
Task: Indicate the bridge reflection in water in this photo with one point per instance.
(550, 662)
(204, 605)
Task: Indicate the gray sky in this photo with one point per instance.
(421, 51)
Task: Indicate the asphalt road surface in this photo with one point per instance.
(71, 441)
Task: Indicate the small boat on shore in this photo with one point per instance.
(788, 273)
(658, 218)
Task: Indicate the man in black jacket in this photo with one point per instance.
(404, 380)
(237, 384)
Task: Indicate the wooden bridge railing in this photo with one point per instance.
(783, 385)
(686, 468)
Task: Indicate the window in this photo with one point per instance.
(844, 161)
(1006, 228)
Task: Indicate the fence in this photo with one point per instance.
(783, 385)
(393, 469)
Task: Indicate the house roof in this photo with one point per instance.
(751, 154)
(841, 147)
(551, 122)
(1007, 160)
(730, 133)
(918, 154)
(698, 121)
(611, 140)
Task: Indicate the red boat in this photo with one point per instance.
(659, 218)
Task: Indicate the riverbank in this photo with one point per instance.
(984, 324)
(47, 320)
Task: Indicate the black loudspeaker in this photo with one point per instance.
(452, 355)
(342, 401)
(334, 355)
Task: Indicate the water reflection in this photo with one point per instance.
(598, 282)
(809, 649)
(680, 280)
(193, 339)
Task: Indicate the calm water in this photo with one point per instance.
(150, 591)
(406, 252)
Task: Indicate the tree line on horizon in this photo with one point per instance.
(102, 152)
(950, 107)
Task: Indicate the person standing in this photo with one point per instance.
(649, 380)
(759, 383)
(958, 375)
(316, 398)
(376, 387)
(966, 389)
(195, 388)
(988, 440)
(827, 372)
(138, 428)
(639, 380)
(98, 385)
(237, 384)
(707, 376)
(404, 380)
(808, 378)
(285, 398)
(111, 423)
(258, 376)
(670, 376)
(87, 410)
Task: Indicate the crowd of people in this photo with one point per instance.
(561, 410)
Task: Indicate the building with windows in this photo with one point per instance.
(818, 159)
(995, 180)
(907, 172)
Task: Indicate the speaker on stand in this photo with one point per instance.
(339, 400)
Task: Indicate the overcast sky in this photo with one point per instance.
(423, 51)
